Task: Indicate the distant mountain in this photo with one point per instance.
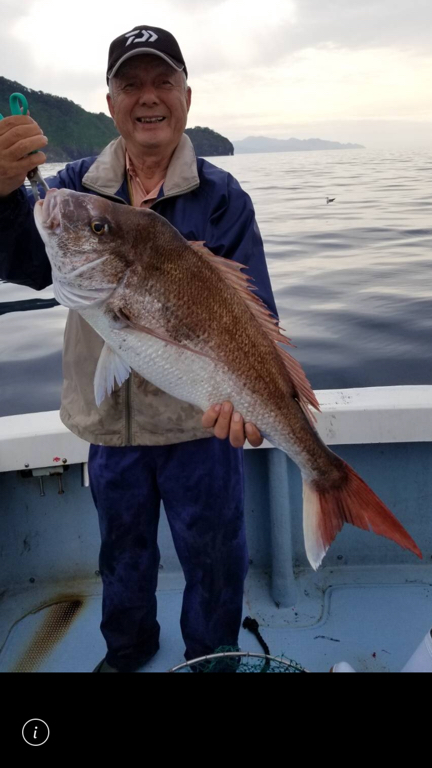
(264, 144)
(74, 133)
(208, 143)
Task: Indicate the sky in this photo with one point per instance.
(345, 70)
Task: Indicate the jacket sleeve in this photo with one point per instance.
(22, 253)
(23, 259)
(232, 232)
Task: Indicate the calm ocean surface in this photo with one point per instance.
(352, 279)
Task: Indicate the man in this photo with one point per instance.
(145, 444)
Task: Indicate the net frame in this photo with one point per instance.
(268, 660)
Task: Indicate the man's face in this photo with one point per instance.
(145, 88)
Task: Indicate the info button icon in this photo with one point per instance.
(35, 732)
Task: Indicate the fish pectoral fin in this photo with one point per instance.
(110, 369)
(158, 334)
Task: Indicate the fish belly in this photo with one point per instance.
(196, 379)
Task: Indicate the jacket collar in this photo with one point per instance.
(107, 173)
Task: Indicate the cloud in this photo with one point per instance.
(17, 60)
(238, 34)
(225, 35)
(11, 10)
(266, 36)
(362, 24)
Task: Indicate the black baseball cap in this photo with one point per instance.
(144, 39)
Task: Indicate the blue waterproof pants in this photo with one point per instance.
(202, 487)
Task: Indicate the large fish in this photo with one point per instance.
(188, 322)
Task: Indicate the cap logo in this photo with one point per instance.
(147, 35)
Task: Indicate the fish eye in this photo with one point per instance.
(99, 227)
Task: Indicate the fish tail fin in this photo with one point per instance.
(325, 510)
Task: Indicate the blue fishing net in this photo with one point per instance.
(232, 660)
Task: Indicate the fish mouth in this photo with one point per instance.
(47, 211)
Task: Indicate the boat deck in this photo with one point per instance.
(370, 604)
(373, 626)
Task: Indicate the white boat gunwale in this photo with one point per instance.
(358, 416)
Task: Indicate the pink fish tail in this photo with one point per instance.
(325, 510)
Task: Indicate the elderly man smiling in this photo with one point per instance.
(147, 446)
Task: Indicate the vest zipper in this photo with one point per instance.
(128, 397)
(128, 404)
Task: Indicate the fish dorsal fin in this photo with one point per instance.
(231, 271)
(110, 369)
